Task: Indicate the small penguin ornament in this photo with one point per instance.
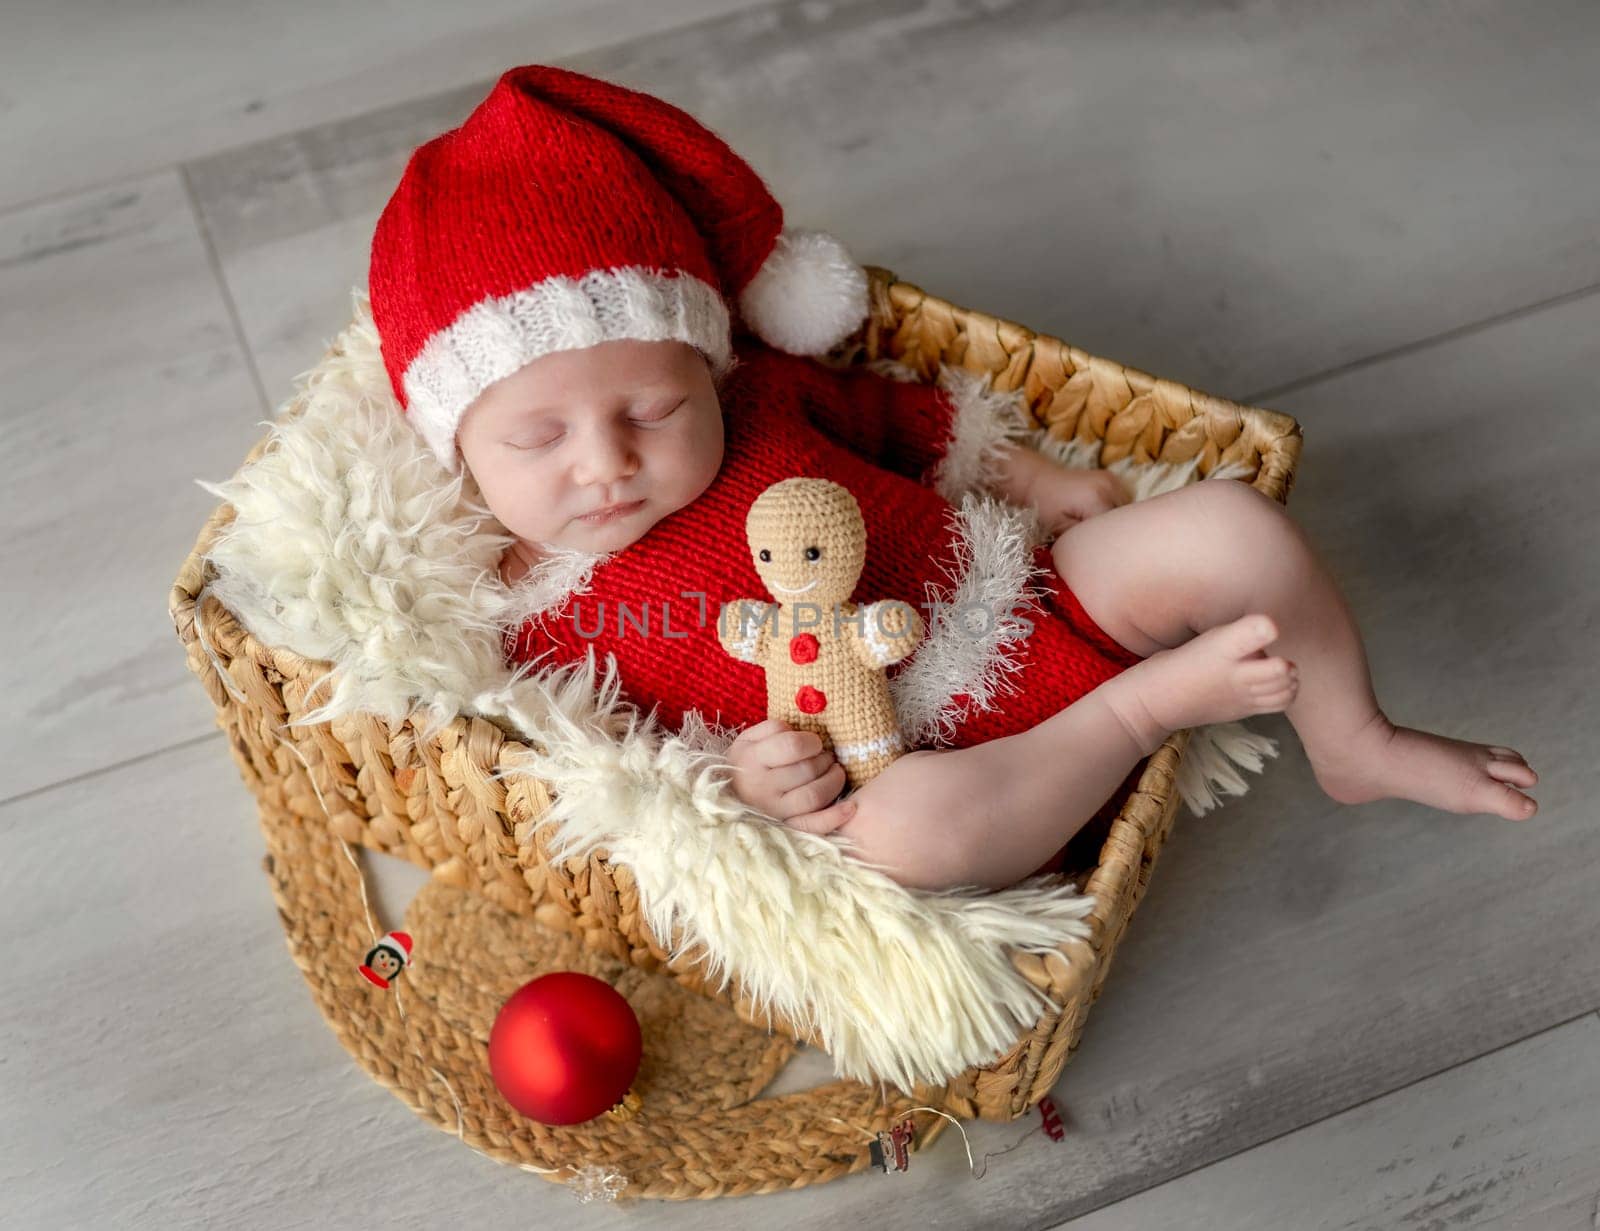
(386, 959)
(824, 656)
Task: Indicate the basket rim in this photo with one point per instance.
(1277, 434)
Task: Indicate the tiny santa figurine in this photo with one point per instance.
(891, 1150)
(387, 958)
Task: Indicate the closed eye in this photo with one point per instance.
(535, 445)
(667, 414)
(643, 421)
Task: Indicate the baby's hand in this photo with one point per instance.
(790, 776)
(1065, 496)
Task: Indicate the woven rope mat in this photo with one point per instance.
(702, 1132)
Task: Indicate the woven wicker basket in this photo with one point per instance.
(506, 911)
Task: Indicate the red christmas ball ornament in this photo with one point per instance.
(564, 1048)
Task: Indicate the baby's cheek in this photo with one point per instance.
(523, 504)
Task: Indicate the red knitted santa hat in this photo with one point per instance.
(567, 211)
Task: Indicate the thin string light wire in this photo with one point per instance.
(361, 879)
(399, 1003)
(977, 1175)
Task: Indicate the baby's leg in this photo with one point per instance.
(1156, 572)
(990, 814)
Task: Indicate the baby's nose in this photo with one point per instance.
(608, 458)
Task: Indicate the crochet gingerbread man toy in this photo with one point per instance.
(823, 654)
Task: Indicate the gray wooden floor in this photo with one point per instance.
(1379, 218)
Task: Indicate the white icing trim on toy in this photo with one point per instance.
(750, 616)
(859, 750)
(882, 653)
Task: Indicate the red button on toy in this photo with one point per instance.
(810, 700)
(803, 649)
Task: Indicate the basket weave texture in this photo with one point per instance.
(503, 910)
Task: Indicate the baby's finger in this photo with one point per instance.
(787, 777)
(787, 747)
(760, 731)
(815, 794)
(825, 821)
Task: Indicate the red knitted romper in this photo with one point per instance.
(654, 605)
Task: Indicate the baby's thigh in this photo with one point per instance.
(1139, 569)
(918, 819)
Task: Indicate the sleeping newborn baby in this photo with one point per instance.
(589, 301)
(620, 450)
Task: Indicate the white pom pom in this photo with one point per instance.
(808, 296)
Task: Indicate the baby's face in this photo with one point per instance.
(625, 422)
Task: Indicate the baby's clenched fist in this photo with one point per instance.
(788, 775)
(1063, 496)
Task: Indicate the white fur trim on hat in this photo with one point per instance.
(499, 335)
(808, 295)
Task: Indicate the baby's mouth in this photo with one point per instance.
(789, 590)
(616, 511)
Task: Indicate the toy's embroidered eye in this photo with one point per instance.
(765, 555)
(813, 553)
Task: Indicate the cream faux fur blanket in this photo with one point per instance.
(352, 545)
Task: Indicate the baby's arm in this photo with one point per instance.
(789, 776)
(1061, 495)
(946, 434)
(954, 436)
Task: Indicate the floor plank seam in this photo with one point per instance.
(86, 775)
(65, 196)
(1372, 1098)
(1452, 334)
(226, 291)
(573, 59)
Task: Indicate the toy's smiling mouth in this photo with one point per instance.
(809, 585)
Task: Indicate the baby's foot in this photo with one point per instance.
(1390, 762)
(1218, 676)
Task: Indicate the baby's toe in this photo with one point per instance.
(1514, 805)
(1271, 680)
(1250, 633)
(1489, 794)
(1517, 772)
(1266, 672)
